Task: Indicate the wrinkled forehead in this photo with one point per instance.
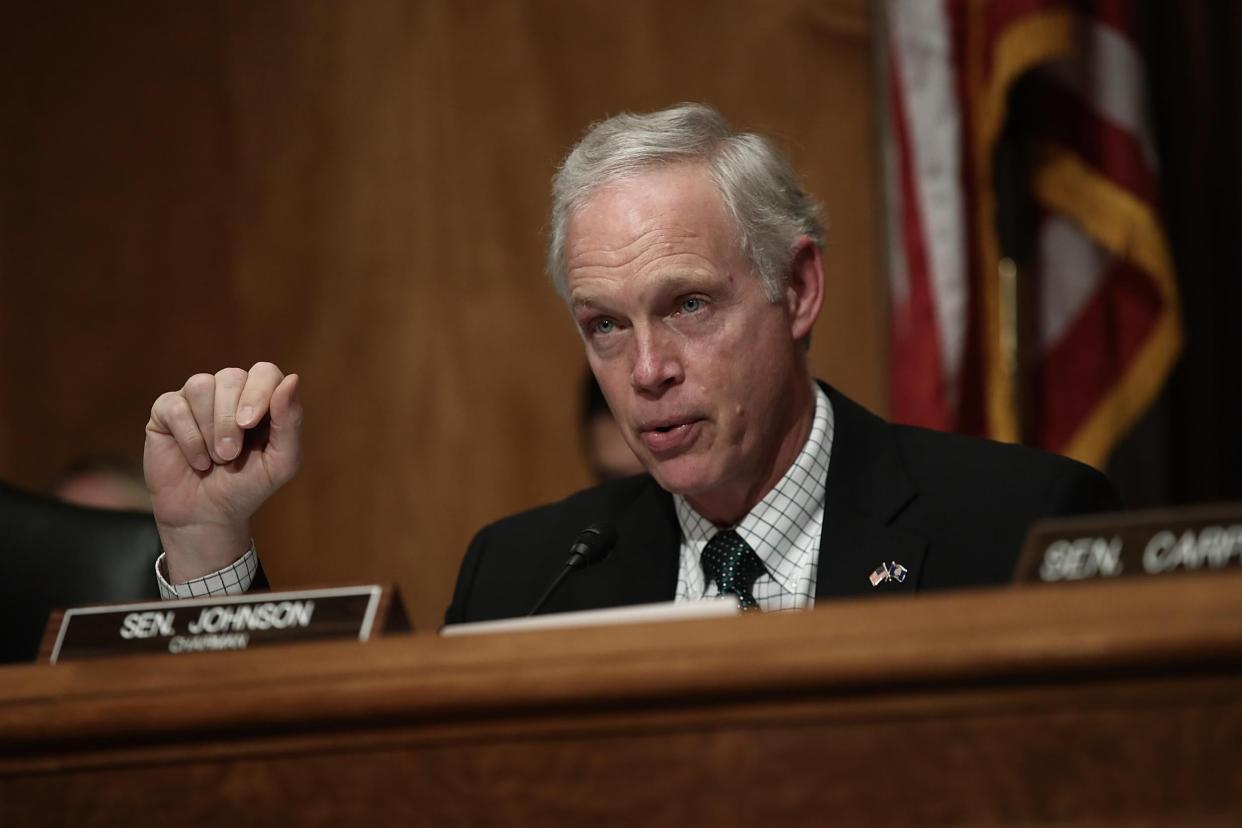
(678, 198)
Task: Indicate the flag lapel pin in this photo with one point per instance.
(891, 572)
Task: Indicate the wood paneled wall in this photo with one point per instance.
(358, 191)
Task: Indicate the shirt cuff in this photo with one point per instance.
(234, 579)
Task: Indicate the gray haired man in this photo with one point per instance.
(690, 258)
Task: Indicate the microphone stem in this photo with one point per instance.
(569, 567)
(552, 587)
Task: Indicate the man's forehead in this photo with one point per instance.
(667, 205)
(681, 188)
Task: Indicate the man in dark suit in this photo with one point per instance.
(690, 258)
(951, 510)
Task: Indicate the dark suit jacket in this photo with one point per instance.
(953, 510)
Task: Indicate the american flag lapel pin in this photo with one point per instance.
(888, 573)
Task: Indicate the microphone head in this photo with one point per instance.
(595, 542)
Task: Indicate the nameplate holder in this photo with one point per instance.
(1133, 544)
(224, 623)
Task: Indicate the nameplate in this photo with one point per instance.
(607, 617)
(241, 622)
(1155, 542)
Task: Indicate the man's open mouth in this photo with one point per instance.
(668, 435)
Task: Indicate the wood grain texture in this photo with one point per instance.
(358, 191)
(1108, 704)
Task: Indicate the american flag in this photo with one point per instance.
(1103, 315)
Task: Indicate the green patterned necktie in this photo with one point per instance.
(733, 565)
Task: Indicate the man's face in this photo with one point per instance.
(703, 373)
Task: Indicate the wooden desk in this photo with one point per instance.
(1114, 704)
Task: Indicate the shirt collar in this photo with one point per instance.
(784, 512)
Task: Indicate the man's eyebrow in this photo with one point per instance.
(587, 302)
(683, 281)
(692, 281)
(673, 283)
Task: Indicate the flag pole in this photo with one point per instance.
(1008, 334)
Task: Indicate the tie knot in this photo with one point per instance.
(733, 565)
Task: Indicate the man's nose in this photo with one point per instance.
(657, 361)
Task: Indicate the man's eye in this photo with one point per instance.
(692, 304)
(603, 326)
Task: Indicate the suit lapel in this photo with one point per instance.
(642, 569)
(867, 487)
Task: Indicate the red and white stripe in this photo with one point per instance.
(929, 274)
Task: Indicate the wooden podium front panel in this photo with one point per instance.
(1090, 704)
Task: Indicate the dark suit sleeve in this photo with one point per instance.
(456, 612)
(260, 579)
(1081, 490)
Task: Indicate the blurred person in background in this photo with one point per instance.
(101, 482)
(603, 444)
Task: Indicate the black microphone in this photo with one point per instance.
(591, 546)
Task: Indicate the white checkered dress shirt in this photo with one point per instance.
(234, 579)
(784, 528)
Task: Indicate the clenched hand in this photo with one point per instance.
(215, 450)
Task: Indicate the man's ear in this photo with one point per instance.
(804, 289)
